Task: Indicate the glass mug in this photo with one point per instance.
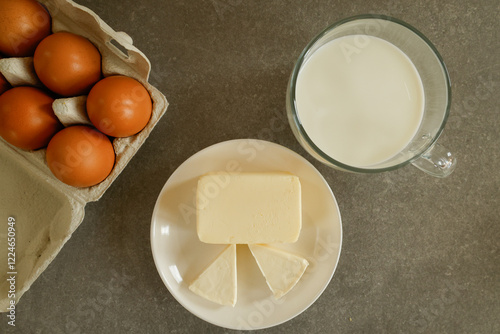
(421, 149)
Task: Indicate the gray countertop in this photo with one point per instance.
(419, 254)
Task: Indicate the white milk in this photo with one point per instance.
(360, 99)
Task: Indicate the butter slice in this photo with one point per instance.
(217, 282)
(281, 269)
(248, 208)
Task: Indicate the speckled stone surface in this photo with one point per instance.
(419, 254)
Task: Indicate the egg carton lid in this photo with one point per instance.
(46, 210)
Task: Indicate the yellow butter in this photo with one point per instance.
(248, 208)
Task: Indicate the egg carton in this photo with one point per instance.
(47, 211)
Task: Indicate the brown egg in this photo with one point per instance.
(119, 106)
(23, 24)
(80, 156)
(67, 64)
(27, 120)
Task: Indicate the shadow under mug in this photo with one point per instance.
(422, 151)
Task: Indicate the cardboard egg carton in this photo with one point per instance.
(47, 211)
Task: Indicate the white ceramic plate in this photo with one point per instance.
(180, 256)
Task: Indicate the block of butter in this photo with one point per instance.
(282, 270)
(248, 208)
(217, 282)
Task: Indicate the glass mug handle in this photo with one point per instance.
(436, 161)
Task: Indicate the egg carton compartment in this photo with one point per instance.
(46, 210)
